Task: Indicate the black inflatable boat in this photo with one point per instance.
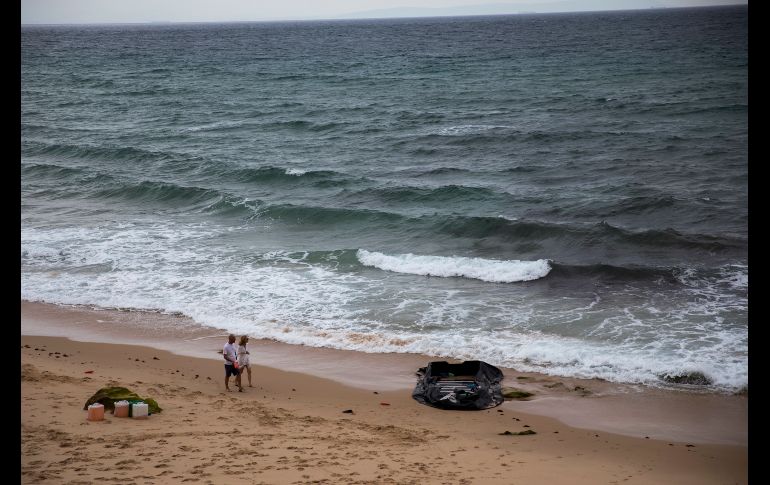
(470, 385)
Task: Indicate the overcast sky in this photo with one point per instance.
(130, 11)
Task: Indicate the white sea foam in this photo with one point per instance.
(494, 271)
(523, 350)
(469, 129)
(735, 275)
(295, 171)
(280, 295)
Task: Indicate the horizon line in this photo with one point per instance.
(319, 19)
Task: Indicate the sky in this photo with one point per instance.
(145, 11)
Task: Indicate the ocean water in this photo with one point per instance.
(560, 193)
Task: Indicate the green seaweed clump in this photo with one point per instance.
(512, 393)
(107, 396)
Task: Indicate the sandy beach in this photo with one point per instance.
(290, 427)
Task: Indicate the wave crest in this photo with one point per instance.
(494, 271)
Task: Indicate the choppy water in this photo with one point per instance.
(561, 193)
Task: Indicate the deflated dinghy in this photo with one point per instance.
(470, 385)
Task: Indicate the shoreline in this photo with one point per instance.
(293, 427)
(630, 410)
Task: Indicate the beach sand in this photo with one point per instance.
(290, 427)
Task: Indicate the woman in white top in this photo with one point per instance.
(243, 357)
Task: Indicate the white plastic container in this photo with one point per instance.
(96, 412)
(121, 409)
(140, 410)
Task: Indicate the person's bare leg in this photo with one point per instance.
(227, 382)
(248, 370)
(238, 380)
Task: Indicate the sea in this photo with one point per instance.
(556, 193)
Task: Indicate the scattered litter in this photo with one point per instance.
(121, 409)
(140, 410)
(349, 411)
(385, 404)
(520, 433)
(96, 412)
(88, 372)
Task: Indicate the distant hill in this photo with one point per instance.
(523, 8)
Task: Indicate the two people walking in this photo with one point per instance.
(236, 360)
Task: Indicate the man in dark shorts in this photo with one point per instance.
(230, 354)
